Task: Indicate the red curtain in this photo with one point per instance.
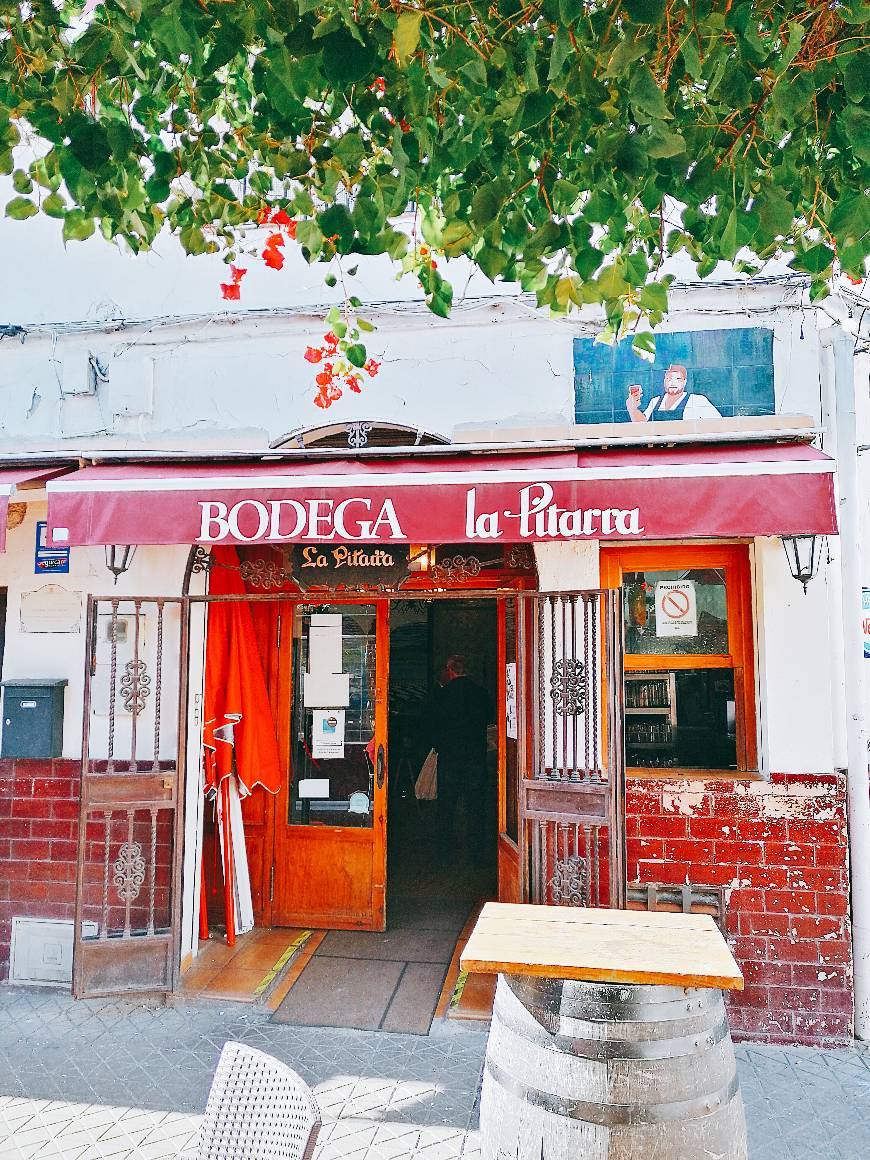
(238, 720)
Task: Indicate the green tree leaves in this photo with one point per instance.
(560, 146)
(407, 36)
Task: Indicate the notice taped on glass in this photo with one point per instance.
(676, 608)
(327, 734)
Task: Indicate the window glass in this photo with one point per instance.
(675, 613)
(681, 718)
(333, 715)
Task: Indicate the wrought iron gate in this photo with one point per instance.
(128, 895)
(572, 800)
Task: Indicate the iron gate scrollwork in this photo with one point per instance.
(130, 837)
(572, 811)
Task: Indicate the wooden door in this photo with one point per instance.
(513, 682)
(330, 845)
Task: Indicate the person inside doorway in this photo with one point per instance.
(675, 402)
(461, 711)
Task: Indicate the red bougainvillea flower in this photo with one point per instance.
(281, 218)
(404, 126)
(372, 367)
(378, 86)
(264, 216)
(273, 257)
(291, 229)
(323, 379)
(313, 354)
(232, 290)
(330, 339)
(352, 383)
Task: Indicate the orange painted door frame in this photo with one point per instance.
(331, 876)
(733, 559)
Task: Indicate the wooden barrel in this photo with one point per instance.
(623, 1071)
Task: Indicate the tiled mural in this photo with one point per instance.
(700, 374)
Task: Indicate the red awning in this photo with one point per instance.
(624, 494)
(13, 478)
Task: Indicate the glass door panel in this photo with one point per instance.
(334, 744)
(330, 835)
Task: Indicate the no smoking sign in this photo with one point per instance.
(676, 608)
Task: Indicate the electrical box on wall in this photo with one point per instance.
(42, 950)
(32, 718)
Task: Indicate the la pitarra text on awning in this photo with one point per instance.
(537, 517)
(686, 492)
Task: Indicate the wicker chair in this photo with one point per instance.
(258, 1109)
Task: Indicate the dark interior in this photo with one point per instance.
(423, 634)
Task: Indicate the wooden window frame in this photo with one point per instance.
(734, 560)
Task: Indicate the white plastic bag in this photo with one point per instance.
(426, 787)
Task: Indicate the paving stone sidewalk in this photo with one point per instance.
(383, 1097)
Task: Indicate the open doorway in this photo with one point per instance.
(442, 853)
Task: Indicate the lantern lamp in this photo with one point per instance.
(119, 557)
(803, 553)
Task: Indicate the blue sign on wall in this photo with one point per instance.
(47, 559)
(712, 373)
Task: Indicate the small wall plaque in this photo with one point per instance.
(51, 608)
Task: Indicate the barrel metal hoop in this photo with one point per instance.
(646, 1013)
(614, 1115)
(615, 1049)
(547, 989)
(613, 1004)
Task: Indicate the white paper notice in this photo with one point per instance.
(322, 690)
(510, 700)
(676, 608)
(313, 787)
(327, 733)
(324, 643)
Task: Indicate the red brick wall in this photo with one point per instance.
(778, 847)
(780, 850)
(38, 827)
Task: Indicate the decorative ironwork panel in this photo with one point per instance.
(128, 871)
(266, 574)
(567, 687)
(572, 796)
(135, 686)
(569, 885)
(129, 853)
(358, 434)
(457, 568)
(521, 557)
(202, 560)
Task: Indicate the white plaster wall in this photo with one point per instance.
(567, 566)
(155, 572)
(794, 658)
(187, 369)
(862, 407)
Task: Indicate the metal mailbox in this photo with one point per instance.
(32, 718)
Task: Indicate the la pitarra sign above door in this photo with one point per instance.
(751, 489)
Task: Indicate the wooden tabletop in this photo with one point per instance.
(619, 946)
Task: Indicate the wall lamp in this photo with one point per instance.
(119, 557)
(803, 554)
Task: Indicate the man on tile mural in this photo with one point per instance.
(675, 401)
